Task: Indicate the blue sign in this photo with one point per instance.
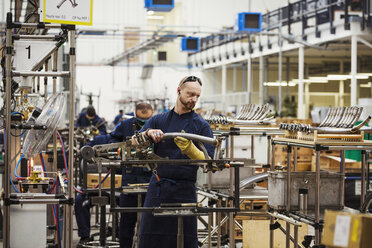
(190, 44)
(249, 22)
(159, 5)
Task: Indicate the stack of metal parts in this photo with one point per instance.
(339, 120)
(249, 114)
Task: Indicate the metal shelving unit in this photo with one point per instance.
(315, 220)
(11, 199)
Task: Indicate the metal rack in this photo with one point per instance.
(291, 217)
(10, 199)
(238, 130)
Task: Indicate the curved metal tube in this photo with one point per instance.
(253, 179)
(194, 137)
(354, 129)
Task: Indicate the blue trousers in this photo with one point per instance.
(127, 220)
(82, 215)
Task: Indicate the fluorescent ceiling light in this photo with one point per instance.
(318, 79)
(155, 17)
(338, 77)
(312, 80)
(277, 84)
(367, 85)
(345, 77)
(365, 74)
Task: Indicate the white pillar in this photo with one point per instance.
(234, 79)
(223, 88)
(341, 86)
(300, 107)
(353, 86)
(261, 78)
(249, 79)
(307, 100)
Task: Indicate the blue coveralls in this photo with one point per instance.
(135, 175)
(176, 185)
(117, 119)
(82, 121)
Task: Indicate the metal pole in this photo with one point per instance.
(280, 69)
(295, 159)
(353, 85)
(218, 225)
(113, 204)
(7, 159)
(210, 223)
(272, 157)
(139, 216)
(249, 77)
(46, 83)
(68, 222)
(54, 68)
(317, 198)
(271, 233)
(363, 181)
(252, 146)
(342, 171)
(300, 112)
(288, 205)
(268, 149)
(295, 241)
(231, 214)
(180, 242)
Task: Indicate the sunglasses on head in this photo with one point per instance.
(191, 79)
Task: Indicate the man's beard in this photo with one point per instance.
(187, 105)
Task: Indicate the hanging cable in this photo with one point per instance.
(65, 160)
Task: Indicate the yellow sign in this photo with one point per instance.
(77, 12)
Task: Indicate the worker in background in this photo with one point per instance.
(119, 117)
(132, 175)
(89, 118)
(125, 129)
(174, 184)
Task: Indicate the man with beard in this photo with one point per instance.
(174, 184)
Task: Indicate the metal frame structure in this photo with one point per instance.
(9, 198)
(101, 153)
(292, 217)
(252, 131)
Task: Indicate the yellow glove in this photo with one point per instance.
(188, 148)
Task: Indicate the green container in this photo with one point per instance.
(356, 154)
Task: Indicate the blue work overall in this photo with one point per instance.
(176, 183)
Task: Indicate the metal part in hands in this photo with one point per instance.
(141, 139)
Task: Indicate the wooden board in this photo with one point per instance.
(256, 234)
(325, 143)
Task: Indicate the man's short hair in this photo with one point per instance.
(91, 111)
(143, 107)
(190, 79)
(121, 111)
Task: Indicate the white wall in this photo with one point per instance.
(114, 85)
(192, 17)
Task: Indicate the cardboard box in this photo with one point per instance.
(349, 230)
(92, 180)
(332, 163)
